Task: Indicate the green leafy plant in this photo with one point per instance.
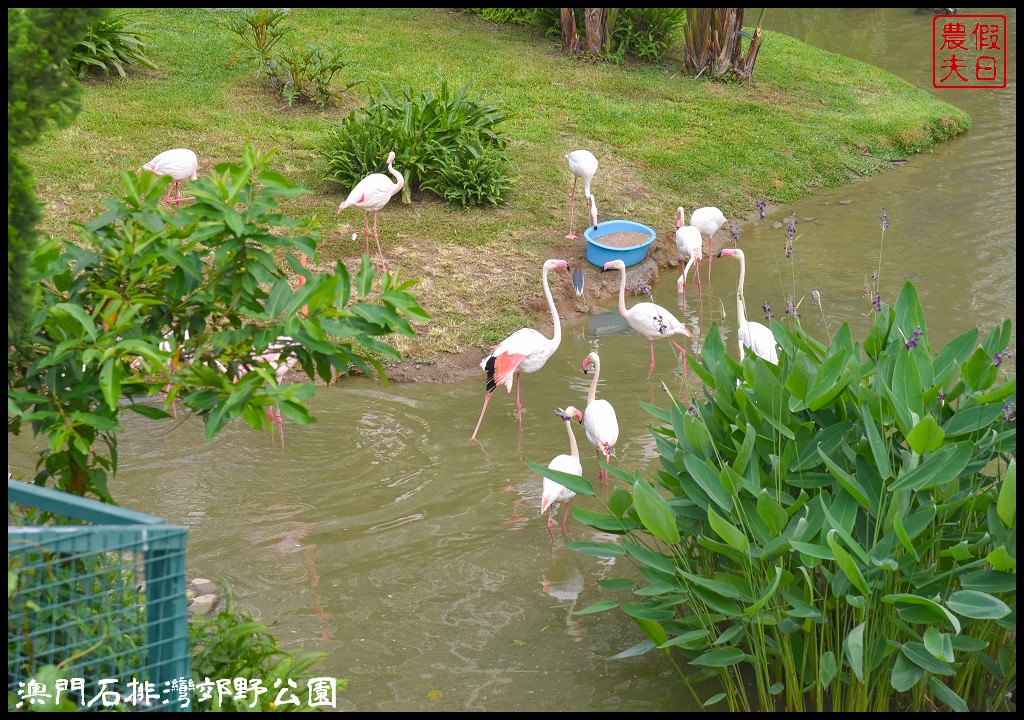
(184, 294)
(834, 533)
(424, 129)
(112, 43)
(714, 44)
(259, 30)
(469, 179)
(231, 644)
(305, 74)
(647, 33)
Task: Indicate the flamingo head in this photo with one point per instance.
(679, 217)
(731, 252)
(552, 264)
(593, 210)
(591, 359)
(614, 265)
(391, 157)
(570, 413)
(681, 283)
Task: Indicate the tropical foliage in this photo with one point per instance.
(115, 42)
(442, 142)
(190, 296)
(835, 533)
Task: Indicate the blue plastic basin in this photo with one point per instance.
(599, 254)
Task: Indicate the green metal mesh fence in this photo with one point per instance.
(97, 615)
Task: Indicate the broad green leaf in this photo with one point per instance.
(953, 354)
(815, 551)
(640, 648)
(878, 449)
(717, 586)
(596, 608)
(847, 564)
(728, 532)
(972, 419)
(1000, 559)
(726, 657)
(652, 629)
(938, 644)
(937, 469)
(925, 436)
(567, 480)
(713, 700)
(691, 640)
(771, 512)
(65, 310)
(597, 549)
(756, 607)
(849, 483)
(906, 390)
(731, 633)
(1006, 506)
(617, 583)
(648, 557)
(827, 668)
(977, 605)
(853, 647)
(110, 382)
(905, 674)
(364, 278)
(655, 513)
(919, 655)
(948, 697)
(707, 478)
(931, 610)
(989, 581)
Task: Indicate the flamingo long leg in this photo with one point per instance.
(487, 399)
(519, 407)
(565, 518)
(682, 351)
(366, 232)
(649, 372)
(383, 265)
(572, 204)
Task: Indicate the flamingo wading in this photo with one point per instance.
(553, 492)
(524, 351)
(690, 246)
(708, 220)
(599, 419)
(179, 164)
(371, 194)
(582, 164)
(759, 338)
(650, 320)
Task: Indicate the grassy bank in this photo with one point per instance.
(662, 139)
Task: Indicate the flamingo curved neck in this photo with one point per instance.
(557, 338)
(399, 180)
(741, 316)
(573, 449)
(593, 383)
(622, 295)
(689, 264)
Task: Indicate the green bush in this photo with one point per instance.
(258, 31)
(305, 74)
(427, 132)
(114, 42)
(834, 533)
(469, 179)
(233, 645)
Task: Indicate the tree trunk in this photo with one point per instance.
(714, 44)
(595, 30)
(570, 38)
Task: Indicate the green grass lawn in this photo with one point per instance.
(662, 139)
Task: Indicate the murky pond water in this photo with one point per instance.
(419, 562)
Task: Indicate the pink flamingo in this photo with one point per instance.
(690, 246)
(524, 351)
(582, 164)
(599, 419)
(708, 220)
(552, 491)
(180, 164)
(371, 194)
(650, 320)
(759, 338)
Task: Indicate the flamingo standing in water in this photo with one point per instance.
(582, 164)
(759, 338)
(708, 220)
(599, 419)
(650, 320)
(371, 194)
(690, 246)
(272, 356)
(552, 491)
(180, 164)
(525, 350)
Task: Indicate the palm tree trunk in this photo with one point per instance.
(570, 38)
(595, 30)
